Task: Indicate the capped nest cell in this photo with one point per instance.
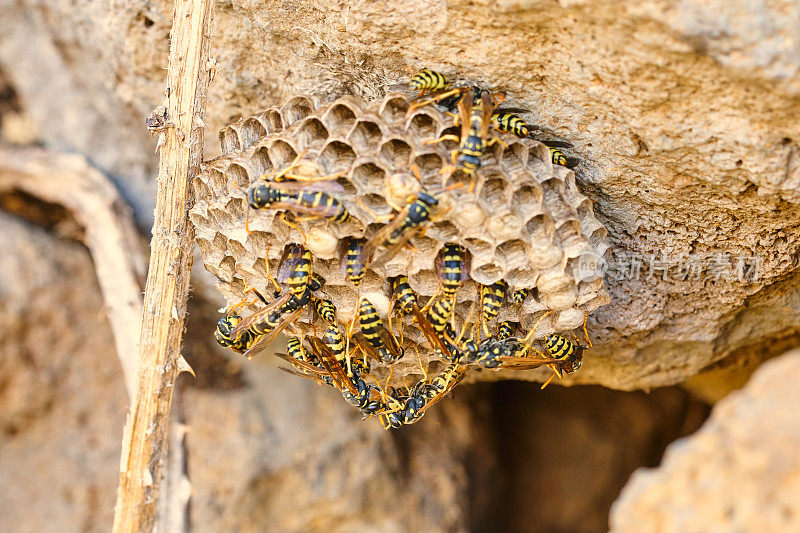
(525, 222)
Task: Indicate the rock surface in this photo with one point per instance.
(62, 398)
(685, 115)
(739, 472)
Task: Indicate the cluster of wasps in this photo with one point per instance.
(342, 354)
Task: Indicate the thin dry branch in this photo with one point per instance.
(70, 180)
(145, 437)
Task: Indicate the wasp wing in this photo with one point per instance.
(521, 363)
(379, 238)
(553, 144)
(259, 315)
(267, 339)
(487, 106)
(328, 360)
(513, 110)
(461, 372)
(314, 186)
(465, 112)
(429, 332)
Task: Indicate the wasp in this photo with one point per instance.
(225, 328)
(492, 298)
(507, 121)
(406, 299)
(250, 335)
(518, 296)
(296, 269)
(309, 195)
(475, 108)
(565, 355)
(511, 123)
(363, 398)
(508, 353)
(316, 282)
(452, 265)
(332, 355)
(353, 263)
(474, 116)
(427, 80)
(403, 295)
(559, 158)
(412, 404)
(439, 314)
(505, 330)
(299, 197)
(299, 358)
(380, 343)
(325, 309)
(328, 354)
(396, 233)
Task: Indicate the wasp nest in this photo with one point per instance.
(525, 222)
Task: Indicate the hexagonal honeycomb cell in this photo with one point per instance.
(525, 221)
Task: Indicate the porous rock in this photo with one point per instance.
(739, 472)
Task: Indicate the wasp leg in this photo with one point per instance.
(586, 333)
(448, 137)
(315, 178)
(282, 217)
(430, 301)
(546, 383)
(441, 96)
(496, 140)
(269, 273)
(529, 337)
(375, 216)
(277, 175)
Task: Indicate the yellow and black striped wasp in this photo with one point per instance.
(439, 313)
(252, 334)
(507, 353)
(296, 269)
(325, 309)
(306, 365)
(566, 354)
(406, 300)
(409, 405)
(519, 295)
(428, 81)
(507, 120)
(559, 158)
(452, 266)
(405, 225)
(375, 339)
(474, 115)
(327, 368)
(403, 295)
(492, 298)
(505, 330)
(352, 261)
(331, 355)
(304, 194)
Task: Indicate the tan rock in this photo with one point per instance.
(62, 399)
(739, 472)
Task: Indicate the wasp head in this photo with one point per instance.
(261, 196)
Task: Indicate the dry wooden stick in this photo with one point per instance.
(145, 437)
(110, 233)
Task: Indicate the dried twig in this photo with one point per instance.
(145, 438)
(69, 180)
